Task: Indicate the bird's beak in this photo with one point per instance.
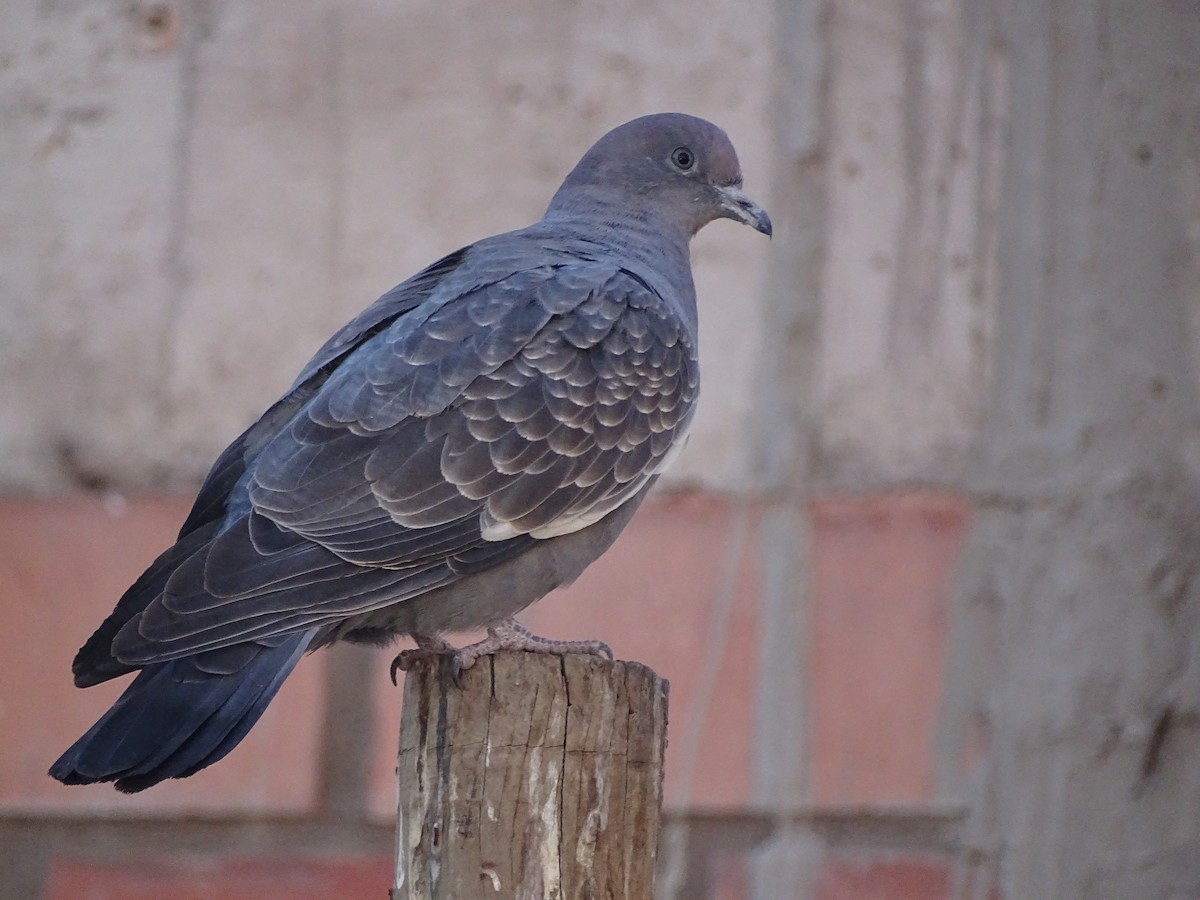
(737, 206)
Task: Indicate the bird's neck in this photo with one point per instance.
(629, 226)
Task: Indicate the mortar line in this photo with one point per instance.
(716, 642)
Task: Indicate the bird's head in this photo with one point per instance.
(682, 167)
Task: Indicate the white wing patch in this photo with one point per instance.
(496, 530)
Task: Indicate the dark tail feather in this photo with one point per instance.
(95, 662)
(178, 717)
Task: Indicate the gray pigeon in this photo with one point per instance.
(471, 441)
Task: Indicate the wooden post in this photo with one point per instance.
(541, 777)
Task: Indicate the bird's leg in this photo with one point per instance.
(506, 635)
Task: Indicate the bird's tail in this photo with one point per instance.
(179, 716)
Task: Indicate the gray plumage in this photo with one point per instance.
(472, 440)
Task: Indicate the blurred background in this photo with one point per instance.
(924, 583)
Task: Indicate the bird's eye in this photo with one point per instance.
(683, 158)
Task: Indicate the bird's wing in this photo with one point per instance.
(95, 661)
(211, 502)
(518, 409)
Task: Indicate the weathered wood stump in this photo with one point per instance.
(541, 777)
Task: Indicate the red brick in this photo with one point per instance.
(211, 878)
(66, 561)
(881, 572)
(914, 878)
(656, 597)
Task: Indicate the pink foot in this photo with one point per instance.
(506, 635)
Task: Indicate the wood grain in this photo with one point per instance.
(540, 777)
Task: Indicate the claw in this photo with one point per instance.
(457, 667)
(405, 660)
(428, 647)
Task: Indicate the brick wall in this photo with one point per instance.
(681, 591)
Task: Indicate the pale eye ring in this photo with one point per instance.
(683, 159)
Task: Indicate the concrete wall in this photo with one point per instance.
(1083, 565)
(930, 617)
(204, 191)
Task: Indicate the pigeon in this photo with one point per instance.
(471, 441)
